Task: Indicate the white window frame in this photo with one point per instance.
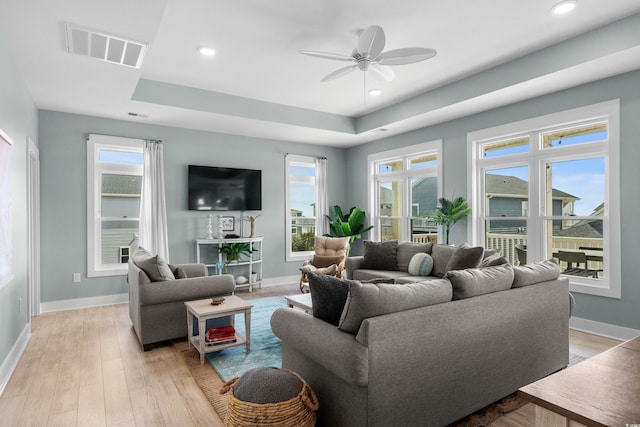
(609, 111)
(95, 143)
(293, 159)
(406, 154)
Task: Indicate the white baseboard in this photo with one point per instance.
(10, 363)
(71, 304)
(282, 280)
(603, 329)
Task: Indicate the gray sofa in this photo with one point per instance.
(157, 309)
(434, 364)
(357, 268)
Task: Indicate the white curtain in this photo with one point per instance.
(153, 210)
(322, 203)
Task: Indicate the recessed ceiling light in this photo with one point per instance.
(375, 92)
(563, 7)
(207, 51)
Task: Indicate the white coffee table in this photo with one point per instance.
(302, 301)
(202, 310)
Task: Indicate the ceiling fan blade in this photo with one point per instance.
(371, 41)
(327, 55)
(407, 55)
(382, 72)
(339, 73)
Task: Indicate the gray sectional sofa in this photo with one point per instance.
(397, 256)
(427, 353)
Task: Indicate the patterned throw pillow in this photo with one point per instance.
(421, 264)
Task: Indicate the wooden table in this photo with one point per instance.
(601, 391)
(302, 301)
(202, 310)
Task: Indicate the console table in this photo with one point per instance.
(601, 391)
(214, 259)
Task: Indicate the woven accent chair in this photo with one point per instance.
(330, 253)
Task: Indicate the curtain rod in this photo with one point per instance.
(305, 155)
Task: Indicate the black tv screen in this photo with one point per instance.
(224, 189)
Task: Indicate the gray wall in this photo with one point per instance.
(18, 119)
(64, 194)
(623, 312)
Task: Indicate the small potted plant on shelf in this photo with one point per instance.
(233, 251)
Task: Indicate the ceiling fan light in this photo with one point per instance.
(206, 51)
(563, 7)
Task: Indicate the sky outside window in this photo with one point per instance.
(303, 196)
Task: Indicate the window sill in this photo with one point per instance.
(121, 271)
(599, 288)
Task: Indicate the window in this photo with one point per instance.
(549, 188)
(300, 206)
(114, 183)
(404, 190)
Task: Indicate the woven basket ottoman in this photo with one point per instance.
(270, 397)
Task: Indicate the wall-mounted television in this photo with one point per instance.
(224, 189)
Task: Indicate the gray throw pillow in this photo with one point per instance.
(153, 265)
(465, 257)
(374, 299)
(479, 281)
(380, 255)
(495, 259)
(328, 296)
(441, 255)
(536, 272)
(489, 252)
(406, 251)
(178, 272)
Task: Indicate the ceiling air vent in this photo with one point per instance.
(105, 47)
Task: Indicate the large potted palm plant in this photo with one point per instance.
(449, 212)
(350, 225)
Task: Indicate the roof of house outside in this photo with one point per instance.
(511, 185)
(591, 228)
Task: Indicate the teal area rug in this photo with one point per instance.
(265, 346)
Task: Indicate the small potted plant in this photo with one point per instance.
(233, 251)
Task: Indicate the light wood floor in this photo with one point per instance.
(86, 367)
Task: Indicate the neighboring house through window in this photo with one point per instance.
(300, 206)
(550, 186)
(404, 189)
(114, 182)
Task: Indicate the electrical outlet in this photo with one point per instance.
(76, 277)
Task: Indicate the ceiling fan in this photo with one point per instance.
(368, 56)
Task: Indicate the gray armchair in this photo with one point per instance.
(157, 309)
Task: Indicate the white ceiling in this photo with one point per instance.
(258, 65)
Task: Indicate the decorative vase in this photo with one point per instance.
(209, 235)
(254, 277)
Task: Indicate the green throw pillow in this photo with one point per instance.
(421, 264)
